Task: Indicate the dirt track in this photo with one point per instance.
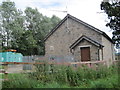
(15, 68)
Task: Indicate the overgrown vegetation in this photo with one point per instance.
(60, 76)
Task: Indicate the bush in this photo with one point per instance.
(72, 76)
(102, 71)
(41, 73)
(61, 75)
(67, 74)
(113, 69)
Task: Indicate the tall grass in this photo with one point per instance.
(109, 82)
(19, 81)
(61, 76)
(68, 75)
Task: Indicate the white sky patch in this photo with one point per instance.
(86, 10)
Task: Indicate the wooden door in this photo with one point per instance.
(85, 54)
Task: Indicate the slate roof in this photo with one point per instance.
(79, 21)
(83, 37)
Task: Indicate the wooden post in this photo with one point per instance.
(5, 73)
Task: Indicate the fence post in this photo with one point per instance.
(5, 73)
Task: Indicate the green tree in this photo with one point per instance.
(10, 23)
(39, 25)
(24, 32)
(34, 25)
(18, 29)
(54, 20)
(0, 32)
(112, 9)
(27, 43)
(7, 11)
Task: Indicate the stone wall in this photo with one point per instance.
(108, 51)
(66, 35)
(93, 51)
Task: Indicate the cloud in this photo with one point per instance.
(87, 10)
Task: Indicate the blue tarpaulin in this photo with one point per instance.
(10, 57)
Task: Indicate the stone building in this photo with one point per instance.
(75, 38)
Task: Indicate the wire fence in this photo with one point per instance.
(30, 59)
(63, 60)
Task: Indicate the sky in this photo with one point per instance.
(86, 10)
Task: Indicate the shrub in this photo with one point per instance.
(42, 72)
(72, 76)
(102, 71)
(113, 69)
(61, 75)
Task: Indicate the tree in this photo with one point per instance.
(18, 29)
(112, 9)
(34, 22)
(0, 32)
(24, 32)
(27, 43)
(7, 11)
(39, 26)
(54, 20)
(11, 24)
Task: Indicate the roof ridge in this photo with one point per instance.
(80, 21)
(85, 23)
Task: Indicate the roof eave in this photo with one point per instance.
(74, 18)
(105, 35)
(55, 28)
(86, 38)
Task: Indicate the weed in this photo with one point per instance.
(61, 76)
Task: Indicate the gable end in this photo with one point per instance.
(79, 21)
(86, 38)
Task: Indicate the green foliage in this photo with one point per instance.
(8, 13)
(24, 32)
(52, 85)
(113, 12)
(57, 76)
(19, 81)
(39, 26)
(28, 43)
(74, 77)
(61, 74)
(109, 82)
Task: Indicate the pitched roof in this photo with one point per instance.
(77, 20)
(83, 37)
